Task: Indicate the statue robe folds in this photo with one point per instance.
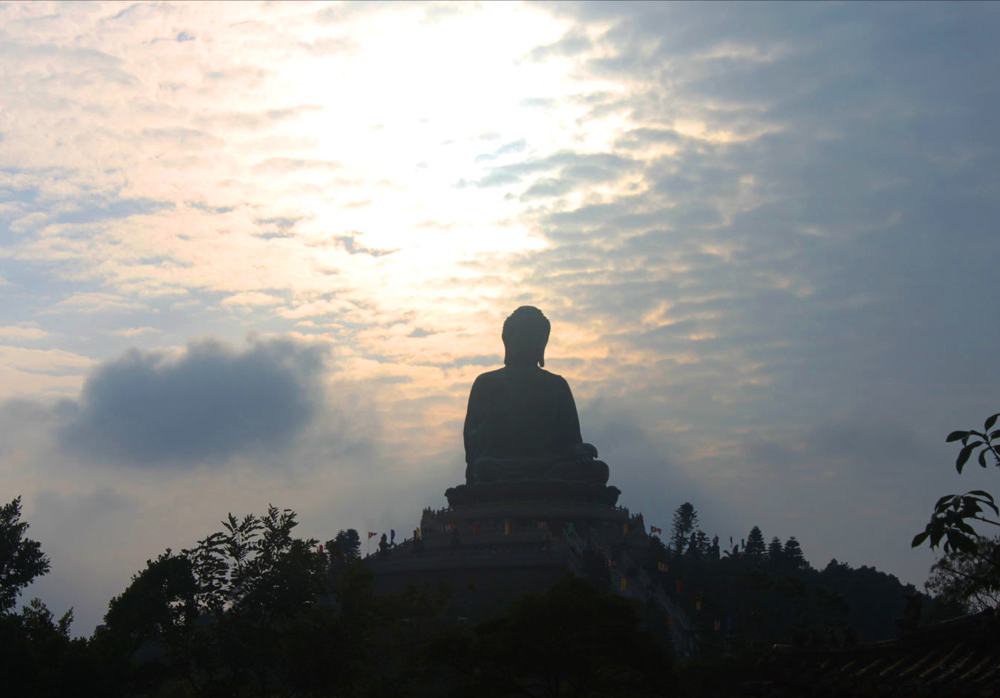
(522, 426)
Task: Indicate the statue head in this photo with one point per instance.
(525, 334)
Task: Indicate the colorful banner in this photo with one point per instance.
(475, 529)
(678, 586)
(697, 605)
(662, 566)
(625, 532)
(392, 534)
(623, 583)
(506, 528)
(654, 529)
(543, 524)
(371, 533)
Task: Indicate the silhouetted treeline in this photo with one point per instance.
(762, 593)
(253, 611)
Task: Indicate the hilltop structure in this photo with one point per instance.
(535, 504)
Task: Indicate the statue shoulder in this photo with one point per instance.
(554, 379)
(485, 380)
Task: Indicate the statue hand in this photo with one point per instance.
(585, 451)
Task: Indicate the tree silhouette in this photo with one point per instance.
(792, 554)
(774, 551)
(348, 543)
(684, 523)
(755, 548)
(968, 579)
(21, 559)
(571, 641)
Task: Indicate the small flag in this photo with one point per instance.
(625, 532)
(662, 566)
(743, 543)
(623, 583)
(569, 528)
(506, 528)
(611, 563)
(392, 534)
(448, 527)
(543, 524)
(321, 550)
(654, 529)
(718, 625)
(416, 533)
(678, 586)
(475, 529)
(371, 533)
(730, 540)
(697, 604)
(670, 621)
(715, 541)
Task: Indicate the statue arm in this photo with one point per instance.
(572, 435)
(474, 418)
(571, 423)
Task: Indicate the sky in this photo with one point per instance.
(256, 254)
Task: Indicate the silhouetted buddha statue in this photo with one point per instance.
(522, 424)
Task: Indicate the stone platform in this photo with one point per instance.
(490, 554)
(532, 491)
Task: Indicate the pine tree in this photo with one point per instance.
(793, 553)
(755, 548)
(774, 551)
(684, 524)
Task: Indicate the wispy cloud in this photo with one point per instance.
(94, 303)
(24, 333)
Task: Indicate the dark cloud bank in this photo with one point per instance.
(214, 401)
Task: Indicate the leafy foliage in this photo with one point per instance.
(950, 521)
(776, 597)
(969, 579)
(346, 545)
(572, 640)
(21, 559)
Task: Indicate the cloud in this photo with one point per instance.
(94, 303)
(280, 165)
(509, 148)
(17, 332)
(250, 299)
(211, 402)
(349, 242)
(417, 333)
(571, 44)
(179, 138)
(42, 360)
(134, 331)
(35, 372)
